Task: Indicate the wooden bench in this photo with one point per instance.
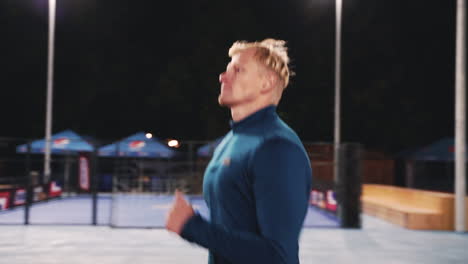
(410, 208)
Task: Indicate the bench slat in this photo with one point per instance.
(411, 208)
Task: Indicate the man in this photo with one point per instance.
(257, 183)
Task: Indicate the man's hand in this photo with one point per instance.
(179, 213)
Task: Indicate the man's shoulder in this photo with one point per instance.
(281, 142)
(268, 136)
(280, 149)
(280, 137)
(280, 131)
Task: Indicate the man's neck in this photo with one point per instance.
(240, 112)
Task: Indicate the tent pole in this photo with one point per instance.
(460, 111)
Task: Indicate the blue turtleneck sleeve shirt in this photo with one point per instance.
(257, 188)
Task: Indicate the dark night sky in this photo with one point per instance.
(127, 66)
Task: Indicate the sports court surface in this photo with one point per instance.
(125, 210)
(376, 242)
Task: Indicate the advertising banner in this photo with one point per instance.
(54, 189)
(20, 197)
(4, 200)
(84, 173)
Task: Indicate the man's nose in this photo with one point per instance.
(222, 77)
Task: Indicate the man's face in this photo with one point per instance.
(241, 82)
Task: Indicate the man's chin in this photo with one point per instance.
(224, 102)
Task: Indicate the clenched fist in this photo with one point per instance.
(179, 213)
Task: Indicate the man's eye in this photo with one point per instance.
(236, 69)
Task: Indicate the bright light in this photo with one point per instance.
(149, 135)
(173, 143)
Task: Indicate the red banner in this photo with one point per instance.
(331, 202)
(4, 200)
(54, 189)
(84, 173)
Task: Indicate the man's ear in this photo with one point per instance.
(269, 81)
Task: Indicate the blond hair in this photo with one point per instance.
(271, 53)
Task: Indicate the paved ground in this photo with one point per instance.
(377, 242)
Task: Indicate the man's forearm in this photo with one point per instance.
(235, 246)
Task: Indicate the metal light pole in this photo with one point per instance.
(50, 75)
(460, 112)
(337, 132)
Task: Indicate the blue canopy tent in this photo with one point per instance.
(133, 151)
(137, 145)
(64, 142)
(207, 150)
(431, 167)
(441, 150)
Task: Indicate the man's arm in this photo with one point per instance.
(281, 181)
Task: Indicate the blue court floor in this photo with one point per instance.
(125, 210)
(377, 242)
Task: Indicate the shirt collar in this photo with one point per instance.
(253, 118)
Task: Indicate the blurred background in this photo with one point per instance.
(135, 90)
(123, 67)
